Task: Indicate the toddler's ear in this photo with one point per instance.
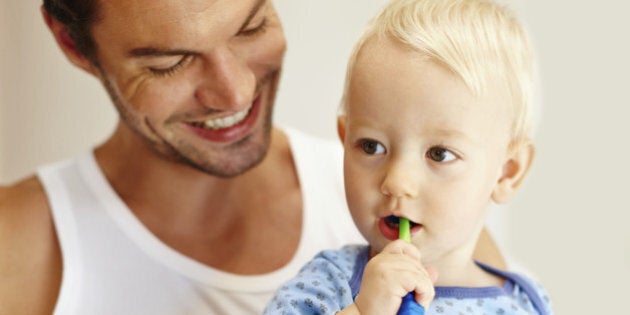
(514, 171)
(341, 127)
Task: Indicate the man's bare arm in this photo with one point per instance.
(30, 263)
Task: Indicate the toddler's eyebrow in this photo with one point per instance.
(449, 133)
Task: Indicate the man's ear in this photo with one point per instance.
(514, 170)
(341, 127)
(67, 45)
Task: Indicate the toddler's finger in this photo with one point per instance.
(402, 247)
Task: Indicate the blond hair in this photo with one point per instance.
(479, 40)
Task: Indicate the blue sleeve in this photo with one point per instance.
(321, 287)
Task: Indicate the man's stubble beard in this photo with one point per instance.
(236, 158)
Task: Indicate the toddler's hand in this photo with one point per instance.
(390, 275)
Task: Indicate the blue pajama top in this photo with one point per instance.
(332, 280)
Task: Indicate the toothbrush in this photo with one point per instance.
(409, 305)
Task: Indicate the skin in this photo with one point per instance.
(425, 148)
(169, 66)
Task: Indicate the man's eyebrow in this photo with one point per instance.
(158, 52)
(252, 13)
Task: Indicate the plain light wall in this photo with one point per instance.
(50, 110)
(568, 223)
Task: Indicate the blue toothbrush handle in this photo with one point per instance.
(409, 306)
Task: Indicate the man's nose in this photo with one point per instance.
(402, 179)
(228, 83)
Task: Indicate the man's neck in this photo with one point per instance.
(214, 220)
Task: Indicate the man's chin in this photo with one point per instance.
(233, 161)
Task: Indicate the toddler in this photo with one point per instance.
(436, 126)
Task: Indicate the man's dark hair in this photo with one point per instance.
(78, 16)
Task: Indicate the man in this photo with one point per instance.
(196, 204)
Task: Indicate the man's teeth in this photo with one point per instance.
(228, 121)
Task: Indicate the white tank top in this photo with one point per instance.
(112, 264)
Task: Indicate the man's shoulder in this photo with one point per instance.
(31, 260)
(22, 198)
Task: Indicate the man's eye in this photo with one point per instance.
(251, 31)
(439, 154)
(371, 147)
(170, 68)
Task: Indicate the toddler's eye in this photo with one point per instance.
(440, 155)
(372, 147)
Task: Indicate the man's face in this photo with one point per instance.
(195, 79)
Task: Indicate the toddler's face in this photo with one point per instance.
(419, 145)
